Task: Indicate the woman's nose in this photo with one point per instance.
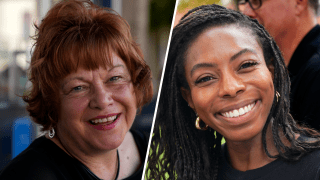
(247, 10)
(101, 98)
(231, 85)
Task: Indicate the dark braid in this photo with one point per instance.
(182, 151)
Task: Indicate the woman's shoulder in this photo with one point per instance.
(311, 158)
(32, 163)
(43, 159)
(307, 167)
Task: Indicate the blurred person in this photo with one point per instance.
(293, 25)
(225, 77)
(88, 79)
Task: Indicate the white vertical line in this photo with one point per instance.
(160, 88)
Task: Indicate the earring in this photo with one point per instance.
(278, 95)
(51, 133)
(198, 125)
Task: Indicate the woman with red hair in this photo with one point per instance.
(88, 81)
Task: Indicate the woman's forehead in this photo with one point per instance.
(107, 63)
(220, 41)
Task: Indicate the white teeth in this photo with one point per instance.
(235, 113)
(112, 118)
(246, 109)
(109, 119)
(239, 112)
(231, 114)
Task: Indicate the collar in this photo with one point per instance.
(304, 51)
(226, 171)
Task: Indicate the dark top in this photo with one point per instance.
(304, 70)
(307, 168)
(44, 160)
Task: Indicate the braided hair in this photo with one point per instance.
(178, 149)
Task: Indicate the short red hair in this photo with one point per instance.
(80, 34)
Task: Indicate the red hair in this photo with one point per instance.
(80, 34)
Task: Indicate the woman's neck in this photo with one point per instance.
(103, 165)
(250, 154)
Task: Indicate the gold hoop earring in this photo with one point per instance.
(278, 95)
(198, 125)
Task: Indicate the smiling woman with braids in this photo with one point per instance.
(225, 77)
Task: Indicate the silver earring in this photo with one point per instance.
(51, 133)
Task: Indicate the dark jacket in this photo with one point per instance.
(304, 70)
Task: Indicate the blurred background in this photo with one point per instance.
(150, 22)
(185, 5)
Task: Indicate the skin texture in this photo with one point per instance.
(287, 21)
(226, 70)
(85, 95)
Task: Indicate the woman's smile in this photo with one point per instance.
(104, 123)
(240, 115)
(104, 119)
(236, 112)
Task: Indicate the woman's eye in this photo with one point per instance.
(115, 78)
(78, 88)
(204, 79)
(247, 65)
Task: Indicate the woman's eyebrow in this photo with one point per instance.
(243, 51)
(200, 65)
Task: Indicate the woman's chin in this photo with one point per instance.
(243, 136)
(106, 144)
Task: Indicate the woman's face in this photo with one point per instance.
(231, 87)
(97, 109)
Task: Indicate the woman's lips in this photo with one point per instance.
(105, 123)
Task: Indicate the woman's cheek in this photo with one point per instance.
(200, 98)
(75, 106)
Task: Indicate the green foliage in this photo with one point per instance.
(147, 174)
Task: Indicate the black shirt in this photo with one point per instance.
(44, 160)
(304, 70)
(307, 168)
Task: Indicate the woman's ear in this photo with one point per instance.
(271, 68)
(186, 94)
